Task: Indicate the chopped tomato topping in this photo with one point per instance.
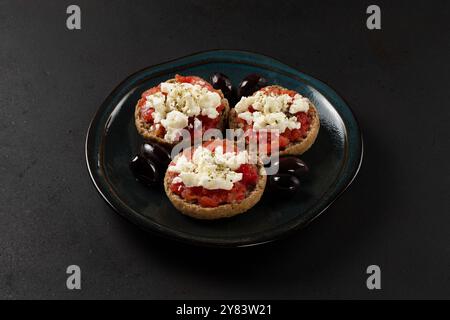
(278, 91)
(303, 118)
(208, 202)
(151, 91)
(147, 115)
(238, 193)
(210, 198)
(207, 122)
(177, 188)
(283, 141)
(249, 174)
(220, 108)
(194, 80)
(296, 134)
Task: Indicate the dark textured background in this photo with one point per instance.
(396, 214)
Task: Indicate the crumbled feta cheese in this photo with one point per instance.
(244, 103)
(177, 180)
(272, 111)
(210, 170)
(209, 102)
(247, 116)
(185, 98)
(300, 104)
(174, 122)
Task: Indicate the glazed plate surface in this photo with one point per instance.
(112, 140)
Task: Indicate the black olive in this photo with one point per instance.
(284, 183)
(250, 84)
(292, 165)
(145, 171)
(155, 153)
(222, 82)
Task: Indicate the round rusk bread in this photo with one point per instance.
(294, 148)
(222, 211)
(143, 128)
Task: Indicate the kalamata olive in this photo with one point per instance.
(145, 171)
(250, 84)
(155, 153)
(284, 183)
(292, 165)
(222, 82)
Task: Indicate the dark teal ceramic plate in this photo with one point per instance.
(112, 140)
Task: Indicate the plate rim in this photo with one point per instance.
(166, 232)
